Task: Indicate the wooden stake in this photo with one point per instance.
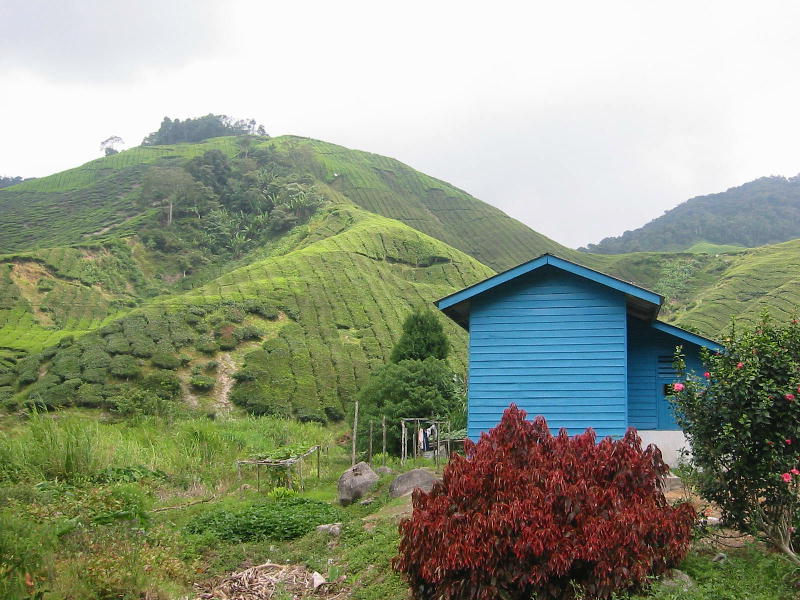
(383, 425)
(318, 452)
(355, 427)
(369, 459)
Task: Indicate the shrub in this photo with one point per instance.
(207, 346)
(163, 360)
(228, 341)
(117, 343)
(202, 382)
(253, 398)
(67, 365)
(529, 515)
(28, 369)
(95, 358)
(136, 403)
(124, 366)
(248, 332)
(143, 347)
(164, 384)
(285, 518)
(743, 423)
(94, 375)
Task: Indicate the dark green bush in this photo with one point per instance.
(164, 384)
(281, 519)
(334, 414)
(49, 352)
(95, 358)
(253, 398)
(66, 341)
(67, 365)
(143, 347)
(97, 375)
(262, 309)
(135, 403)
(228, 342)
(28, 369)
(207, 346)
(202, 382)
(117, 343)
(248, 332)
(90, 395)
(124, 366)
(165, 361)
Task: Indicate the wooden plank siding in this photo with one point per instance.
(646, 400)
(554, 343)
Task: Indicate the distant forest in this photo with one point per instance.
(764, 211)
(8, 181)
(201, 128)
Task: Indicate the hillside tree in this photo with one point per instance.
(423, 337)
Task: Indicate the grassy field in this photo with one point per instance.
(96, 508)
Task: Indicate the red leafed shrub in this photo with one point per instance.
(529, 515)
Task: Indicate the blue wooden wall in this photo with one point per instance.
(554, 344)
(650, 355)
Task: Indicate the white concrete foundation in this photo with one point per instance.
(669, 442)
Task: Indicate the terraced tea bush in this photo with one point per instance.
(164, 384)
(163, 360)
(281, 519)
(28, 369)
(202, 383)
(124, 366)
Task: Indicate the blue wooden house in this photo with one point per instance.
(581, 348)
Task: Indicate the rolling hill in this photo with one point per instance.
(102, 293)
(764, 211)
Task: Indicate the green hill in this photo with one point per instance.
(289, 263)
(764, 211)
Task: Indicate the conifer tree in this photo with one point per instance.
(423, 337)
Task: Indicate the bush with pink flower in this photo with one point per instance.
(743, 424)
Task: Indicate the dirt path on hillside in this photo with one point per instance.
(222, 390)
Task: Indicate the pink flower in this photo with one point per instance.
(788, 442)
(794, 472)
(678, 387)
(739, 365)
(786, 477)
(789, 397)
(706, 374)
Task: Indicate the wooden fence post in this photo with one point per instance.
(355, 427)
(383, 424)
(369, 459)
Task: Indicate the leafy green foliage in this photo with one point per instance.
(199, 129)
(410, 388)
(282, 519)
(423, 337)
(743, 424)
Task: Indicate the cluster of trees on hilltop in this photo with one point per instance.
(764, 211)
(214, 205)
(201, 128)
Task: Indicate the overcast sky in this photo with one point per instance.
(581, 119)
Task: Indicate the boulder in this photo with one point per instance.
(405, 483)
(355, 482)
(334, 529)
(677, 580)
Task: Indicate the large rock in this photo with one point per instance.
(355, 482)
(677, 580)
(405, 483)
